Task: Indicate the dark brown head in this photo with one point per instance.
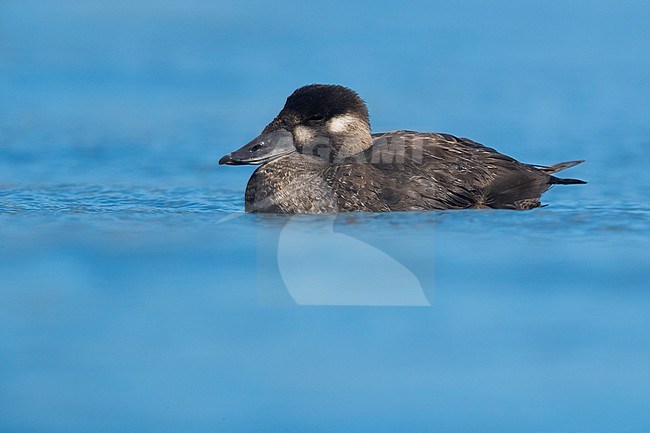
(327, 121)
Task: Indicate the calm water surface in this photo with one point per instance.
(135, 294)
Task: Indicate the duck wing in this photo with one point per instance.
(441, 171)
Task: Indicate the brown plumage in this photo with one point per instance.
(397, 171)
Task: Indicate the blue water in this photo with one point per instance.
(136, 296)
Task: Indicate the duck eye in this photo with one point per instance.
(315, 118)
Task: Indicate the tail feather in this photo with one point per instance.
(565, 181)
(559, 166)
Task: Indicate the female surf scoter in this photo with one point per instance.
(318, 156)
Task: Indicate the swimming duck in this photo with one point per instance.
(319, 156)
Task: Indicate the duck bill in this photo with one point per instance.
(261, 149)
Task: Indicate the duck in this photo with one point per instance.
(318, 156)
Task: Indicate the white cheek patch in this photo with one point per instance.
(302, 134)
(341, 123)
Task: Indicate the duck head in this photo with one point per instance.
(327, 121)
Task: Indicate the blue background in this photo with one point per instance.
(128, 304)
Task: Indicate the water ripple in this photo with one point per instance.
(125, 200)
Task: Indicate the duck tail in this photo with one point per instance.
(551, 169)
(565, 181)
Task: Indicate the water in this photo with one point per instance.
(135, 295)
